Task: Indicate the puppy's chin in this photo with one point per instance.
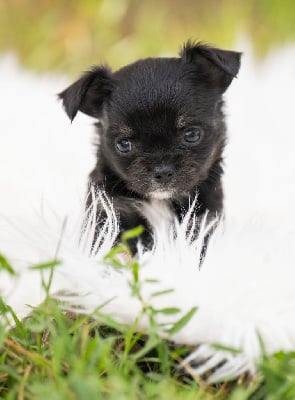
(161, 194)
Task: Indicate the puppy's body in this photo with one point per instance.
(161, 130)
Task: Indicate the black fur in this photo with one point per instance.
(152, 103)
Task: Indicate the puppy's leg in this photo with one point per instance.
(209, 205)
(130, 219)
(126, 210)
(211, 200)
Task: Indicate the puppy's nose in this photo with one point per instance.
(163, 173)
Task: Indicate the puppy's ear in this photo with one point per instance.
(218, 67)
(88, 93)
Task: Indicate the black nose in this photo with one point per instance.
(163, 173)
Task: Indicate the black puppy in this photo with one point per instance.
(161, 130)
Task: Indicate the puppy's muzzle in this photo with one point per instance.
(164, 173)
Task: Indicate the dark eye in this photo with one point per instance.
(192, 135)
(124, 145)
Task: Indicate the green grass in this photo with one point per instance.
(64, 356)
(58, 355)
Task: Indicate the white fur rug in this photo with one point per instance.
(245, 289)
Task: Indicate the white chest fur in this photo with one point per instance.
(158, 213)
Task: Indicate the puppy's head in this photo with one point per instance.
(162, 122)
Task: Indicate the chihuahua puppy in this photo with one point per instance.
(161, 132)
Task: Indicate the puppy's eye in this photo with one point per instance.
(124, 145)
(192, 135)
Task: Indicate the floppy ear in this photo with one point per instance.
(88, 93)
(218, 67)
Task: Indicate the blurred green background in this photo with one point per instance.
(70, 35)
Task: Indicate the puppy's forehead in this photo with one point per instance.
(156, 93)
(181, 121)
(149, 82)
(151, 69)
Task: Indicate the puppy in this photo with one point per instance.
(161, 131)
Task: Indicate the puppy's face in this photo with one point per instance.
(162, 124)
